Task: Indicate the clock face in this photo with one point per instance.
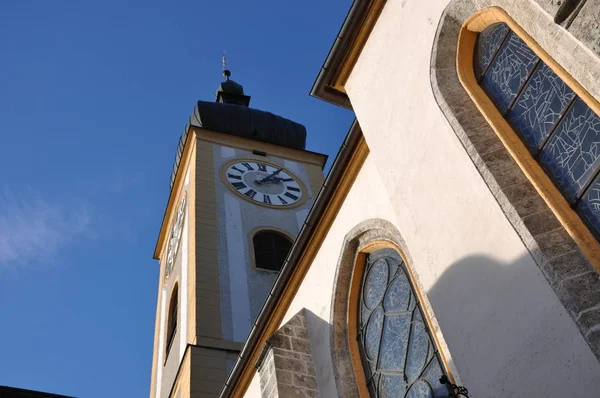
(264, 183)
(175, 236)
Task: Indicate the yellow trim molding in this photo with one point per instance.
(534, 172)
(301, 268)
(174, 196)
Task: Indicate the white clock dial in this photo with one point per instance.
(175, 236)
(264, 183)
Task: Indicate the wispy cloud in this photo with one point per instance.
(34, 229)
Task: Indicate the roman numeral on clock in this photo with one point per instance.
(282, 200)
(247, 165)
(287, 179)
(261, 167)
(291, 196)
(238, 185)
(266, 199)
(234, 176)
(250, 193)
(238, 170)
(293, 189)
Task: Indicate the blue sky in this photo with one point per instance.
(93, 97)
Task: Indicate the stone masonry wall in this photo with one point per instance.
(286, 367)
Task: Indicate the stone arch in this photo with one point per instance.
(367, 236)
(564, 264)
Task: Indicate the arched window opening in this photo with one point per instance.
(172, 318)
(560, 130)
(270, 250)
(399, 355)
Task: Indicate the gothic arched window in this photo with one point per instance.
(172, 318)
(400, 358)
(270, 249)
(560, 130)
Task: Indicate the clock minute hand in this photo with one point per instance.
(269, 177)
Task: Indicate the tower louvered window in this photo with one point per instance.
(270, 250)
(557, 126)
(172, 319)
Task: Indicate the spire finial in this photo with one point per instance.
(226, 71)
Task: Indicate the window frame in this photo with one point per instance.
(512, 141)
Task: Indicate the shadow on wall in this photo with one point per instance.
(506, 331)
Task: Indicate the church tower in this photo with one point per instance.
(241, 187)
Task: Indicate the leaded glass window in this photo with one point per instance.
(560, 130)
(400, 358)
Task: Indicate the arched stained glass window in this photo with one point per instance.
(400, 358)
(560, 130)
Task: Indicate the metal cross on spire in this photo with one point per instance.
(226, 71)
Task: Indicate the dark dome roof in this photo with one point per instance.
(229, 86)
(241, 121)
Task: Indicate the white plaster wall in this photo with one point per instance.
(505, 328)
(253, 390)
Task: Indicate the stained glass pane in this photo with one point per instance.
(508, 71)
(375, 283)
(418, 351)
(391, 386)
(373, 334)
(421, 389)
(398, 295)
(573, 152)
(589, 207)
(539, 106)
(488, 42)
(394, 342)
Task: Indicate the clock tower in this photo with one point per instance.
(241, 187)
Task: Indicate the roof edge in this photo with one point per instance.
(321, 204)
(344, 52)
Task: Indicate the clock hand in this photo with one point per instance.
(269, 177)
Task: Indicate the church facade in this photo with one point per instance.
(453, 249)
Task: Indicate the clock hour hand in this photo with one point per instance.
(269, 177)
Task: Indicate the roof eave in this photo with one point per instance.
(352, 28)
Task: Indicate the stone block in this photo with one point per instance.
(300, 332)
(280, 341)
(284, 376)
(593, 340)
(586, 26)
(305, 381)
(290, 391)
(583, 291)
(291, 364)
(590, 318)
(300, 345)
(550, 6)
(559, 243)
(541, 222)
